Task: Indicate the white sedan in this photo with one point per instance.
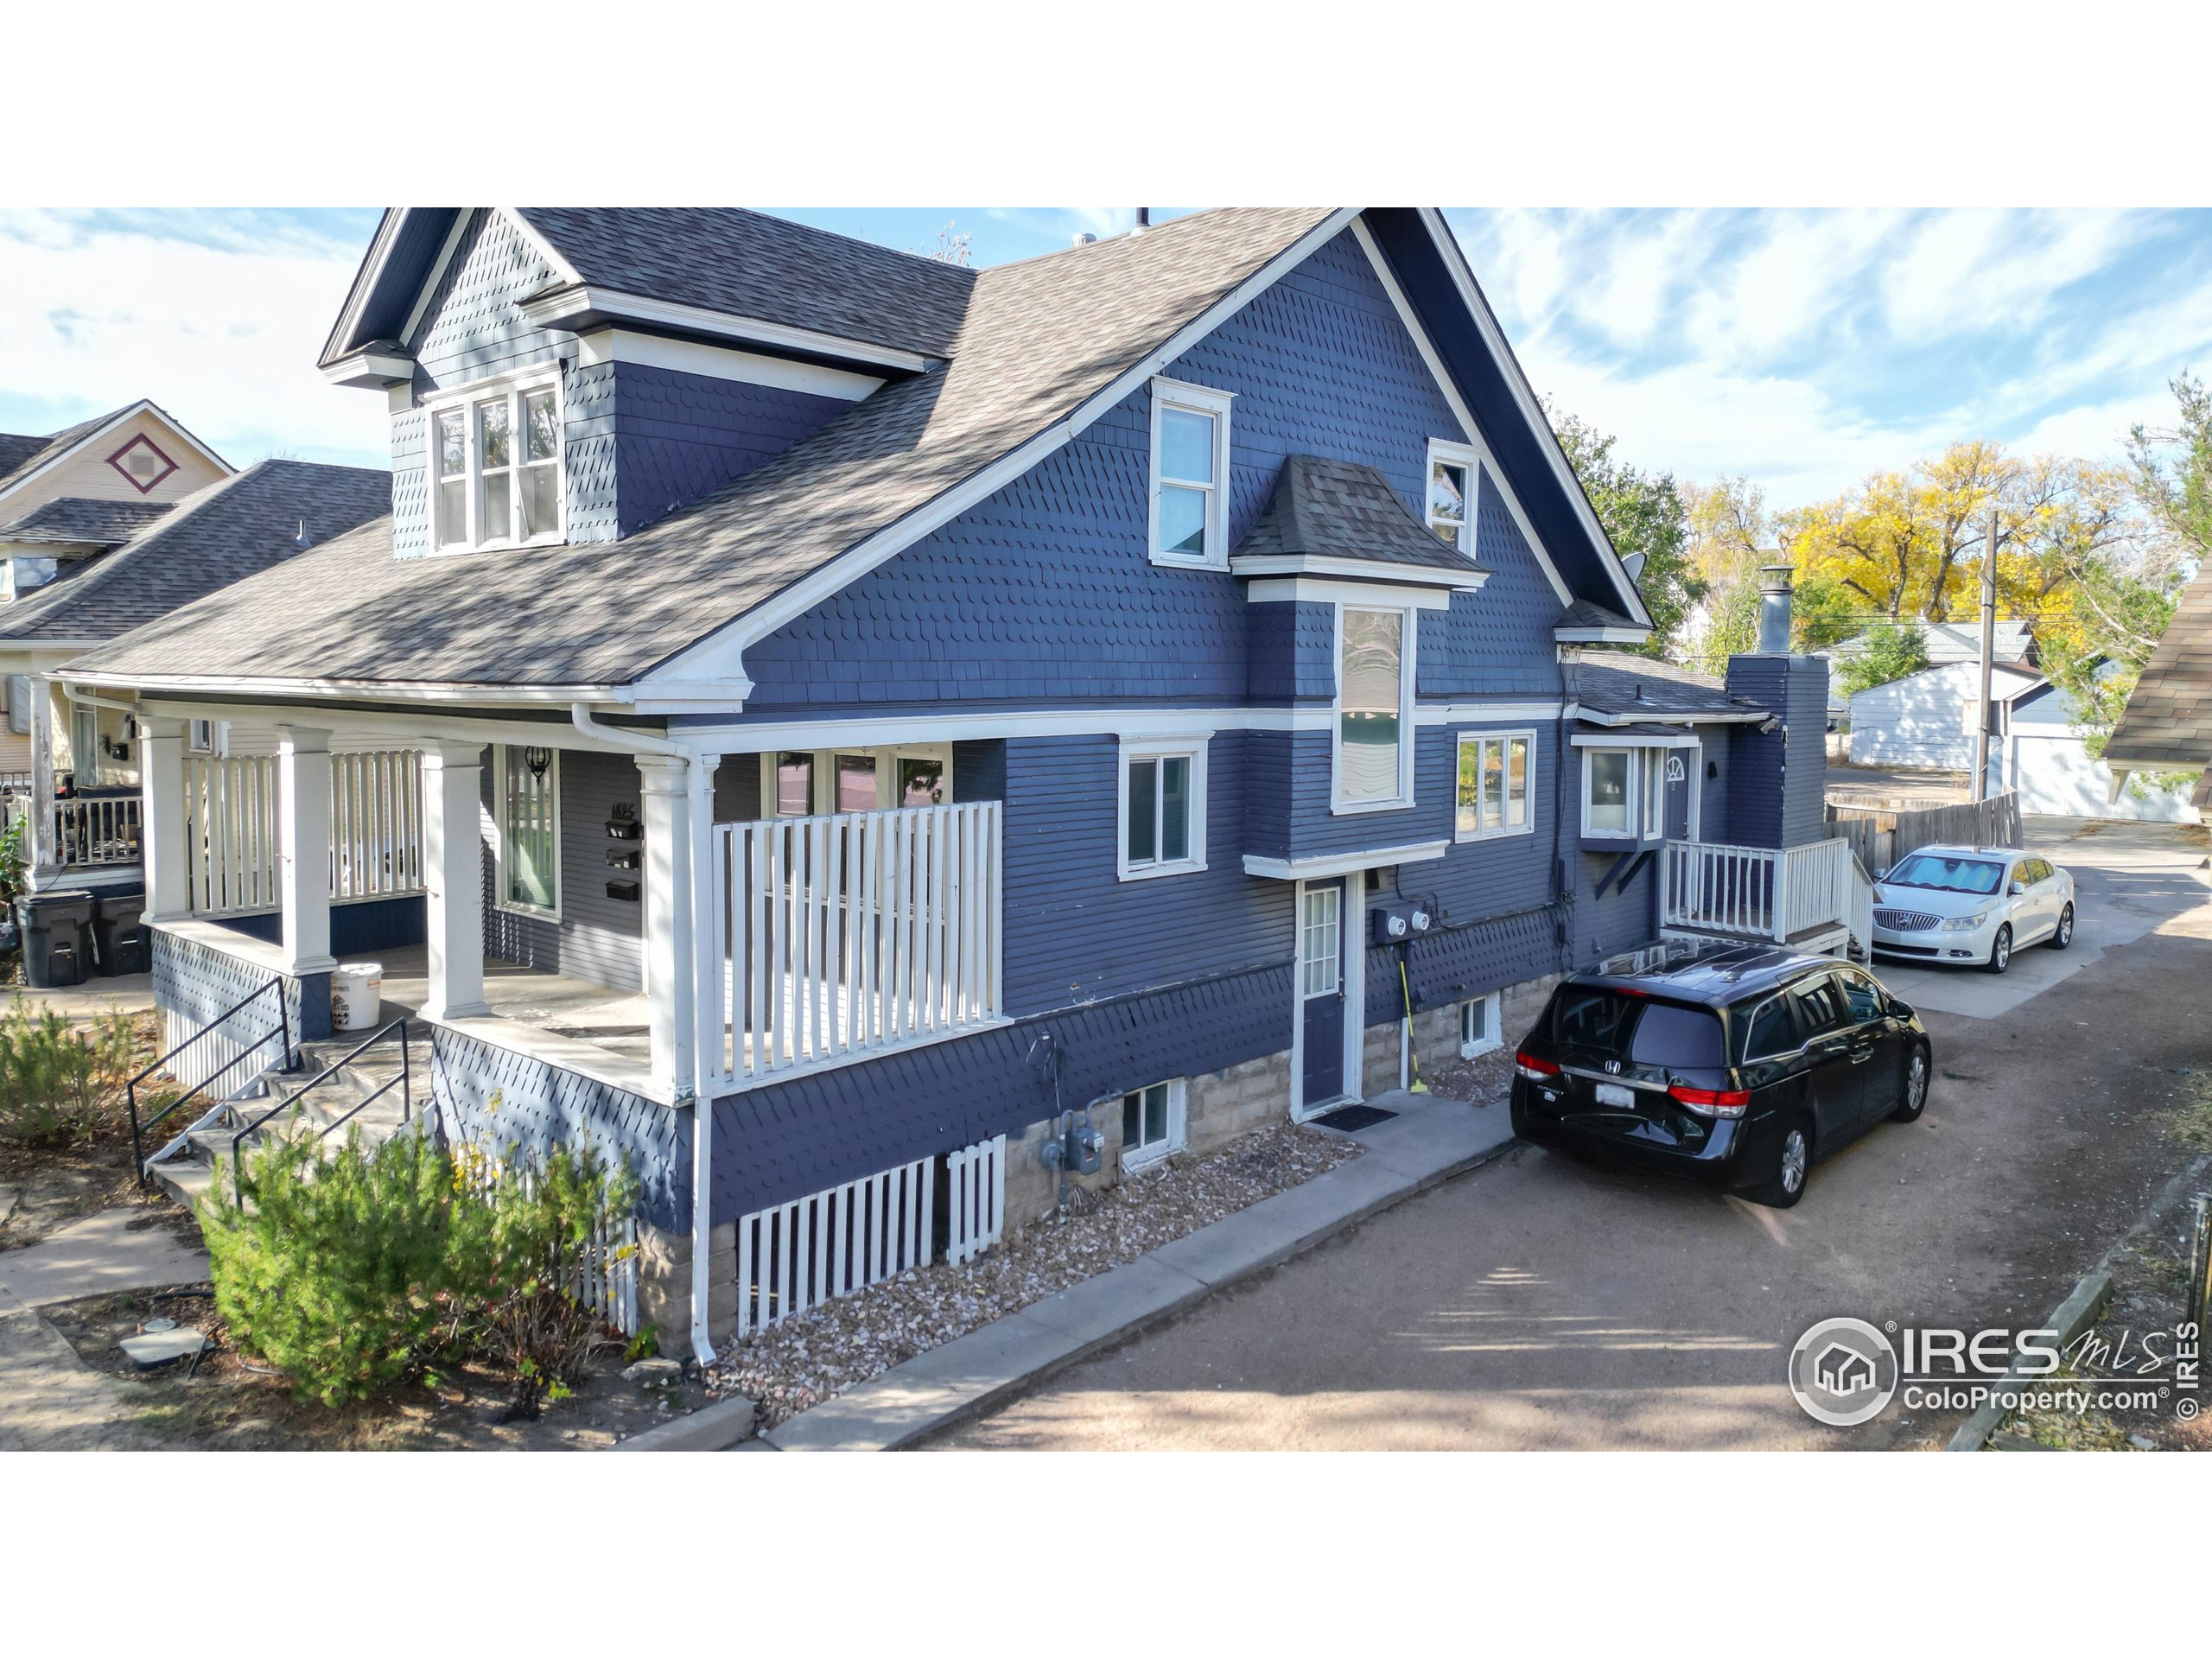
(1971, 904)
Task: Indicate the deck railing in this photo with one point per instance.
(1757, 892)
(233, 838)
(852, 933)
(96, 831)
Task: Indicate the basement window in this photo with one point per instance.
(1151, 1123)
(1479, 1022)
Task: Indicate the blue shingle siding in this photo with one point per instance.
(589, 449)
(410, 486)
(790, 1139)
(1779, 778)
(1498, 640)
(681, 436)
(199, 983)
(520, 1107)
(597, 938)
(1074, 930)
(474, 327)
(1460, 963)
(1044, 592)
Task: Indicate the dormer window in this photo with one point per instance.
(1190, 474)
(1451, 510)
(497, 456)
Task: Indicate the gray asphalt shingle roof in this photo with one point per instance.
(1038, 339)
(2168, 721)
(29, 460)
(84, 521)
(754, 265)
(1340, 509)
(1614, 682)
(232, 530)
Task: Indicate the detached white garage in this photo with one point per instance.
(1927, 720)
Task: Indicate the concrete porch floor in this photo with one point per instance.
(572, 1009)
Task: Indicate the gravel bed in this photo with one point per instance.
(1484, 1081)
(806, 1360)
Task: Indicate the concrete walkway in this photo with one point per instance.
(1430, 1140)
(129, 993)
(114, 1250)
(50, 1401)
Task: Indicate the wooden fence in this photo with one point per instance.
(1883, 836)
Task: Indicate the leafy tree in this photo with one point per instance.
(1889, 652)
(1642, 512)
(1730, 535)
(2173, 470)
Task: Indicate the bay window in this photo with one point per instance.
(1494, 783)
(496, 457)
(1605, 788)
(1372, 759)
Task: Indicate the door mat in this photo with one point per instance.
(1349, 1118)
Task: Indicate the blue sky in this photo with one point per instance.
(1803, 348)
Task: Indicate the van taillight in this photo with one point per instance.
(1529, 1066)
(1720, 1102)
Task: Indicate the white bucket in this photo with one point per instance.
(356, 995)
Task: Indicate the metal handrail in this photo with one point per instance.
(284, 1029)
(405, 1080)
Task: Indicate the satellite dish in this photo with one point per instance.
(1634, 565)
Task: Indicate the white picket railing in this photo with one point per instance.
(853, 932)
(1757, 892)
(96, 831)
(234, 837)
(976, 1198)
(798, 1256)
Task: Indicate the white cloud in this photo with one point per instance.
(222, 330)
(1981, 268)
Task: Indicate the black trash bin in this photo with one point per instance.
(118, 932)
(57, 929)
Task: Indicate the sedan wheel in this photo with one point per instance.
(1914, 1099)
(2000, 953)
(2064, 936)
(1793, 1161)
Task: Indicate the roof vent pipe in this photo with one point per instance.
(303, 540)
(1085, 238)
(1144, 221)
(1774, 610)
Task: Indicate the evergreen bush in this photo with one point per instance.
(60, 1085)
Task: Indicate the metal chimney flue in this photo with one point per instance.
(1774, 610)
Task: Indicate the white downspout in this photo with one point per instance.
(686, 1088)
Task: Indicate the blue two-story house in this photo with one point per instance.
(820, 721)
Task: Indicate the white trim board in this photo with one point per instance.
(720, 655)
(1320, 866)
(1316, 565)
(1323, 590)
(613, 345)
(559, 309)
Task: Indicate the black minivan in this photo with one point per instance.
(1739, 1063)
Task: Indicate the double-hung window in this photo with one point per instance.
(1163, 822)
(1608, 784)
(529, 797)
(1151, 1123)
(1190, 474)
(1452, 494)
(497, 456)
(1655, 794)
(1373, 760)
(1494, 783)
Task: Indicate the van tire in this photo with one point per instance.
(1793, 1165)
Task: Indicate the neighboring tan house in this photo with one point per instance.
(68, 498)
(2167, 725)
(829, 726)
(77, 751)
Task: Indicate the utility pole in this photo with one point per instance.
(1988, 650)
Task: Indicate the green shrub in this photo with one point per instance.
(333, 1267)
(60, 1085)
(355, 1271)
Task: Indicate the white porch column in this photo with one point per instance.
(663, 787)
(42, 856)
(453, 874)
(303, 846)
(162, 819)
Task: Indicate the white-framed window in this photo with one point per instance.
(1609, 794)
(807, 783)
(1151, 1123)
(527, 796)
(1655, 794)
(19, 703)
(1371, 753)
(1190, 474)
(1316, 941)
(1452, 488)
(85, 744)
(1160, 825)
(1479, 1022)
(1494, 783)
(495, 467)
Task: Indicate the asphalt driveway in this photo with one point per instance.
(1542, 1301)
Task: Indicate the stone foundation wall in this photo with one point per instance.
(664, 1285)
(1436, 1034)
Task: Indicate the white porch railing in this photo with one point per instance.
(1757, 892)
(232, 836)
(853, 932)
(96, 831)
